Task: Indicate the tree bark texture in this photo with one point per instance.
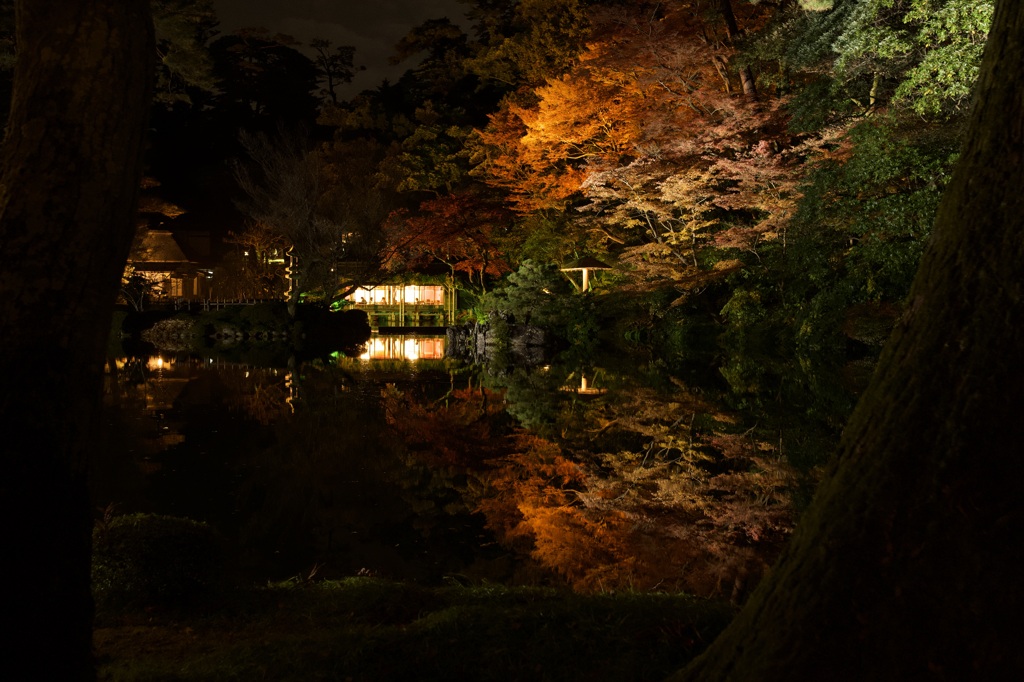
(733, 30)
(907, 565)
(69, 175)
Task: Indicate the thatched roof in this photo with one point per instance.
(158, 246)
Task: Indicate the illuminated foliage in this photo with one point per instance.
(647, 134)
(530, 41)
(183, 29)
(461, 231)
(930, 48)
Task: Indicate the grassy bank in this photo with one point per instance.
(375, 630)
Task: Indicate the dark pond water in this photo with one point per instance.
(602, 473)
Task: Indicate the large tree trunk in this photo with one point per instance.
(907, 565)
(70, 171)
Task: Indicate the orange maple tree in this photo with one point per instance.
(655, 137)
(462, 231)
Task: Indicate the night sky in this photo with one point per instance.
(373, 27)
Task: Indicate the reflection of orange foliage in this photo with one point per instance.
(536, 476)
(702, 513)
(658, 519)
(258, 392)
(457, 430)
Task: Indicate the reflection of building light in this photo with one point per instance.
(390, 347)
(585, 388)
(289, 383)
(412, 349)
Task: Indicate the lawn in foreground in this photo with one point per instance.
(376, 630)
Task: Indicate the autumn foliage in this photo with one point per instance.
(650, 137)
(702, 512)
(462, 231)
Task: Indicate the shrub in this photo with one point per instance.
(540, 295)
(150, 559)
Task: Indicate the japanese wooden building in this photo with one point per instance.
(406, 305)
(158, 257)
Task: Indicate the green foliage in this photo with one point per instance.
(931, 49)
(540, 40)
(535, 294)
(533, 398)
(432, 158)
(146, 559)
(795, 56)
(858, 55)
(547, 237)
(952, 37)
(183, 28)
(856, 237)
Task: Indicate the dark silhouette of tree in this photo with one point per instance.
(265, 81)
(335, 66)
(734, 32)
(71, 166)
(906, 566)
(324, 205)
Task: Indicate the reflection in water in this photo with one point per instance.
(401, 347)
(632, 488)
(581, 476)
(293, 467)
(585, 387)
